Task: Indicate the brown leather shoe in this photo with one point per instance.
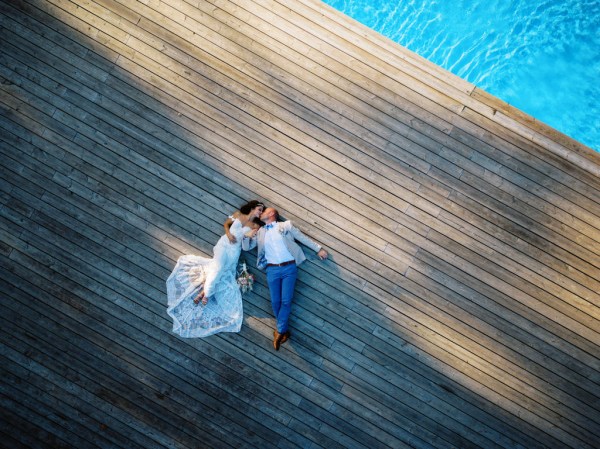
(284, 337)
(277, 340)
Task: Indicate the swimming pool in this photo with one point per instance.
(542, 57)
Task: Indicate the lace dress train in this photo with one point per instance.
(217, 276)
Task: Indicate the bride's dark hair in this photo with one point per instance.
(246, 208)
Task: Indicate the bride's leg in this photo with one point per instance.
(211, 277)
(200, 297)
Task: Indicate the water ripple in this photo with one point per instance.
(541, 56)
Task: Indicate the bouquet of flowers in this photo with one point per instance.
(245, 279)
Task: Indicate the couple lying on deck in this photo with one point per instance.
(203, 294)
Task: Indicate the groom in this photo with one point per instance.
(279, 253)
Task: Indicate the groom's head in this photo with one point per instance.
(269, 215)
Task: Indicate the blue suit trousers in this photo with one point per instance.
(282, 281)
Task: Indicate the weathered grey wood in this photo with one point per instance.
(8, 441)
(419, 69)
(408, 366)
(51, 426)
(61, 399)
(206, 430)
(459, 307)
(129, 357)
(207, 416)
(71, 423)
(112, 393)
(447, 88)
(27, 433)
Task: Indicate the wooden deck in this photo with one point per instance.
(460, 307)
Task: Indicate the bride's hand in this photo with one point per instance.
(231, 238)
(251, 234)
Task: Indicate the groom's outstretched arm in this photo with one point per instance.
(299, 236)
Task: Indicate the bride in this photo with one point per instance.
(203, 295)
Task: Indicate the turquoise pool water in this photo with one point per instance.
(542, 57)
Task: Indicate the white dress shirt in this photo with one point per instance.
(275, 249)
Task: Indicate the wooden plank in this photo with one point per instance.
(345, 351)
(30, 409)
(60, 399)
(574, 303)
(361, 35)
(36, 400)
(210, 427)
(474, 105)
(296, 21)
(516, 231)
(170, 393)
(557, 166)
(285, 89)
(484, 293)
(579, 187)
(536, 125)
(519, 394)
(526, 334)
(362, 386)
(325, 18)
(502, 241)
(38, 256)
(106, 345)
(114, 388)
(8, 441)
(444, 317)
(28, 433)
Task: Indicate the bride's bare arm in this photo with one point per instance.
(227, 226)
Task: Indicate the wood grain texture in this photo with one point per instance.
(460, 305)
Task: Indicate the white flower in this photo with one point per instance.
(245, 280)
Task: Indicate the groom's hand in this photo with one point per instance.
(322, 254)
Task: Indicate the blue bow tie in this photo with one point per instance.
(269, 226)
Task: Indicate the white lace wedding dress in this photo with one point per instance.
(217, 276)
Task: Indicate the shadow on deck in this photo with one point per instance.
(460, 304)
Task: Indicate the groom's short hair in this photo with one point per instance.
(276, 214)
